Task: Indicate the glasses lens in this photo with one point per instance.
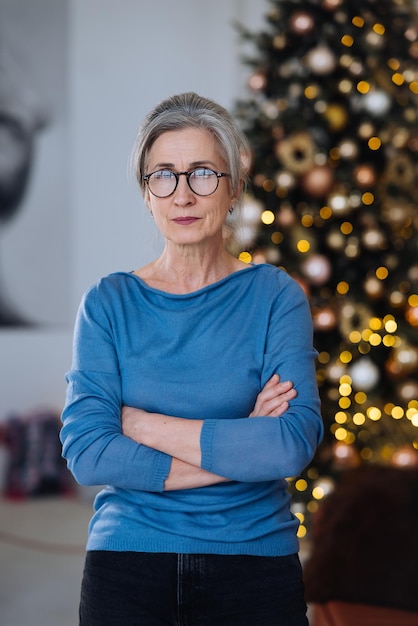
(162, 183)
(203, 181)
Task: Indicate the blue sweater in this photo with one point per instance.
(202, 355)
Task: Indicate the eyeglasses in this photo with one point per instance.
(202, 181)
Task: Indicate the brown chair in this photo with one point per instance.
(363, 563)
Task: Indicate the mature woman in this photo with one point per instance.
(175, 401)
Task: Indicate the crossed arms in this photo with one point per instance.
(180, 438)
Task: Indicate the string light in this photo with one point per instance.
(363, 86)
(347, 40)
(341, 417)
(359, 419)
(276, 237)
(379, 29)
(245, 257)
(397, 412)
(382, 273)
(374, 143)
(346, 356)
(303, 245)
(374, 413)
(358, 21)
(360, 397)
(398, 79)
(393, 64)
(268, 217)
(343, 287)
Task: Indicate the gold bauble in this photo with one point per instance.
(398, 213)
(335, 240)
(364, 374)
(286, 217)
(413, 50)
(297, 152)
(373, 288)
(273, 255)
(339, 201)
(257, 82)
(400, 171)
(334, 371)
(317, 269)
(402, 361)
(411, 316)
(354, 316)
(279, 42)
(318, 181)
(331, 5)
(345, 456)
(375, 40)
(405, 456)
(324, 319)
(336, 116)
(365, 176)
(408, 390)
(320, 60)
(373, 239)
(397, 299)
(366, 130)
(323, 486)
(348, 149)
(301, 23)
(413, 273)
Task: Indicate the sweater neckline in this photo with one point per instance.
(214, 285)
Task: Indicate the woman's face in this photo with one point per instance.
(185, 218)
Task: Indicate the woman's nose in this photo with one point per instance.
(183, 194)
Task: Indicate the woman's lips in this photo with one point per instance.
(185, 221)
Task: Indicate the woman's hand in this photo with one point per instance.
(175, 436)
(273, 400)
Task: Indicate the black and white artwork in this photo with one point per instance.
(34, 164)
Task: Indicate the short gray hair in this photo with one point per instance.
(189, 110)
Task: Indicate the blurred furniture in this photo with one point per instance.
(349, 614)
(364, 549)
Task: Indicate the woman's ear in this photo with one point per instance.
(146, 198)
(236, 196)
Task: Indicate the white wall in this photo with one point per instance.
(124, 57)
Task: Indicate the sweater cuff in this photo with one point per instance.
(206, 444)
(161, 471)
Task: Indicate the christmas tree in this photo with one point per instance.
(332, 117)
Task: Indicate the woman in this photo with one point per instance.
(170, 362)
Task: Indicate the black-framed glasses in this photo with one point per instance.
(201, 180)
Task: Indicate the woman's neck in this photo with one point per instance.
(185, 271)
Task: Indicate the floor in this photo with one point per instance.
(41, 560)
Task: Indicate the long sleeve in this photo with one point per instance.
(266, 448)
(96, 451)
(204, 355)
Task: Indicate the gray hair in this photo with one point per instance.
(189, 110)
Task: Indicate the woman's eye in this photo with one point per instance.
(202, 172)
(163, 174)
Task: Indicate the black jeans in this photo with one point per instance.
(143, 589)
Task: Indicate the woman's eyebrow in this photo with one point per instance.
(193, 164)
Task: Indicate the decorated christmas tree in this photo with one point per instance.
(332, 117)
